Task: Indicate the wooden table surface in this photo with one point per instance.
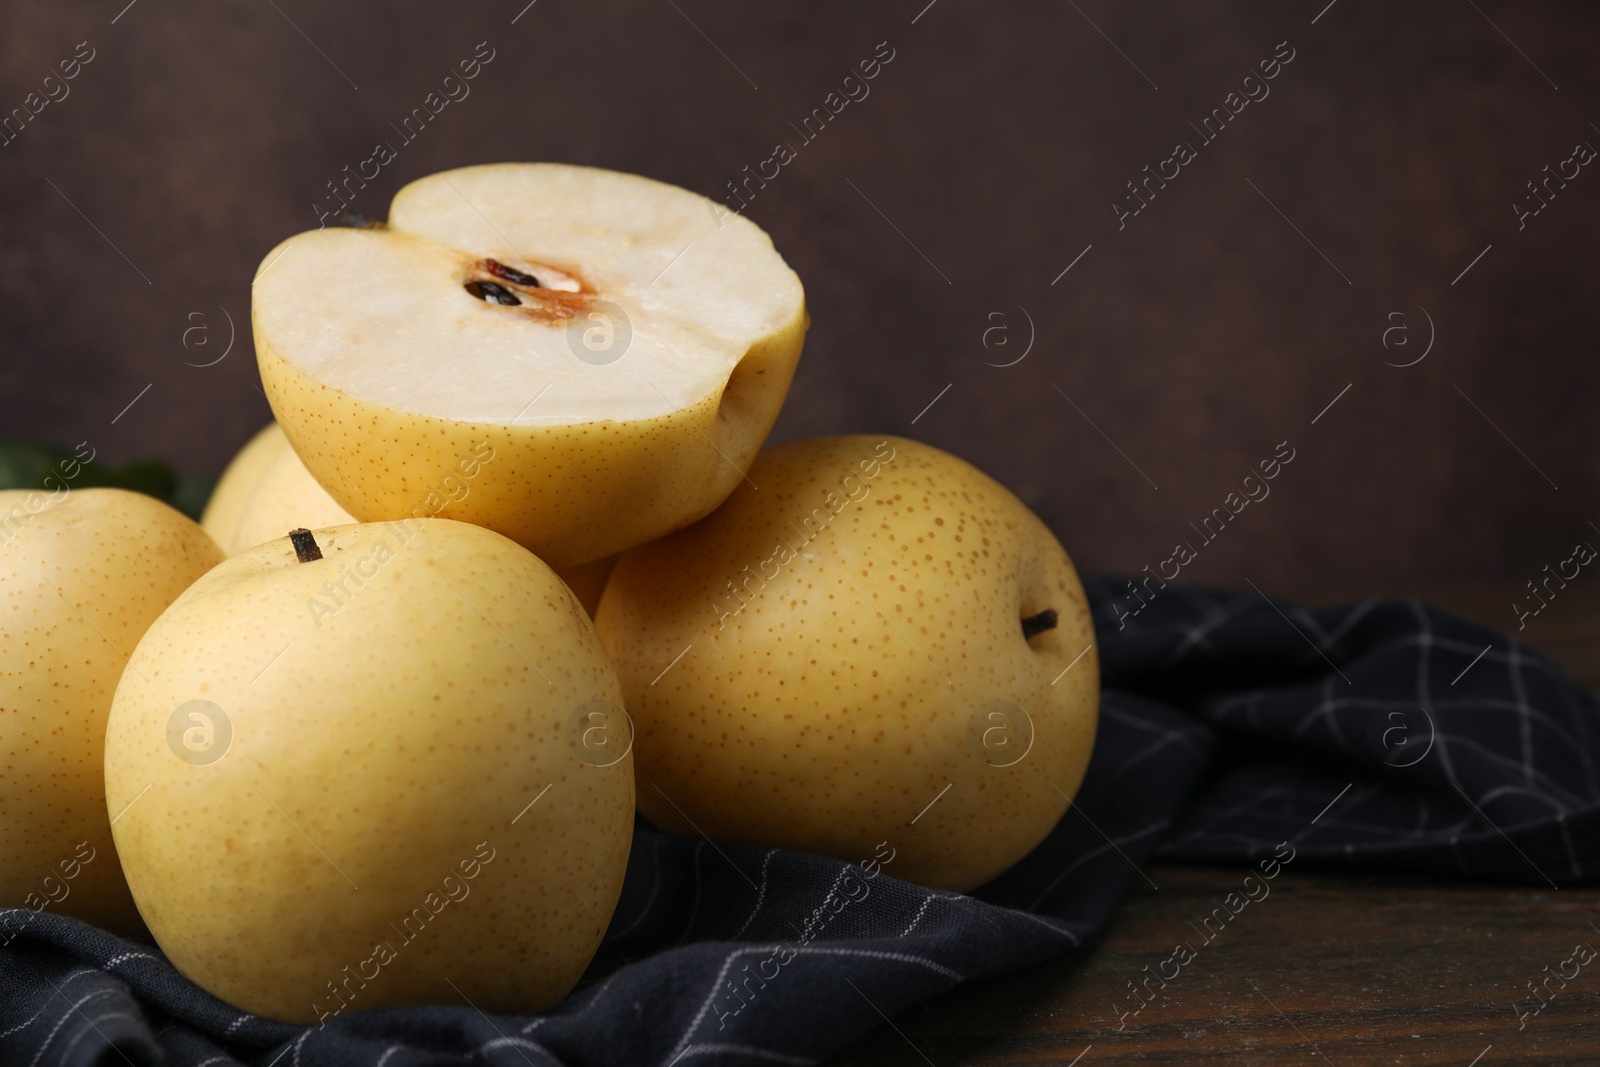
(1337, 970)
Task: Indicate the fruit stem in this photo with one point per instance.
(306, 550)
(1034, 625)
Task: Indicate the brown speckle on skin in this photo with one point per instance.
(898, 714)
(83, 579)
(419, 691)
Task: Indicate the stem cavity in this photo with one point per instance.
(1034, 625)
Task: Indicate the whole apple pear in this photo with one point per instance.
(264, 493)
(83, 574)
(238, 484)
(880, 644)
(370, 765)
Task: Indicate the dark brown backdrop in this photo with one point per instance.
(1219, 322)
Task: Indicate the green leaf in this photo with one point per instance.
(27, 465)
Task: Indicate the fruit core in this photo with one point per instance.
(545, 293)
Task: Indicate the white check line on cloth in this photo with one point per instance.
(802, 950)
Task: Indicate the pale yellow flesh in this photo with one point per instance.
(838, 704)
(80, 581)
(385, 374)
(700, 285)
(266, 492)
(377, 750)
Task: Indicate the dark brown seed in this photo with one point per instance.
(1034, 625)
(492, 293)
(510, 274)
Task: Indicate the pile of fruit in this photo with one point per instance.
(510, 566)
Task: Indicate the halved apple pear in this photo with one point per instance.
(621, 345)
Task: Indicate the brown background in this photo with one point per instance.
(1196, 339)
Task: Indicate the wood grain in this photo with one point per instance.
(1330, 969)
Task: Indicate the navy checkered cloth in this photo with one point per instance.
(1381, 735)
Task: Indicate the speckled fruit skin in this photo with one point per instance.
(116, 559)
(405, 736)
(569, 493)
(813, 718)
(232, 493)
(266, 492)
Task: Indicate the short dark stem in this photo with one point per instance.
(306, 550)
(1034, 625)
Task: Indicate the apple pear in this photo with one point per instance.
(623, 345)
(83, 574)
(238, 483)
(881, 644)
(266, 492)
(370, 765)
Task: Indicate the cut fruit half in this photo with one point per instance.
(579, 359)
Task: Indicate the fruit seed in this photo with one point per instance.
(492, 293)
(510, 274)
